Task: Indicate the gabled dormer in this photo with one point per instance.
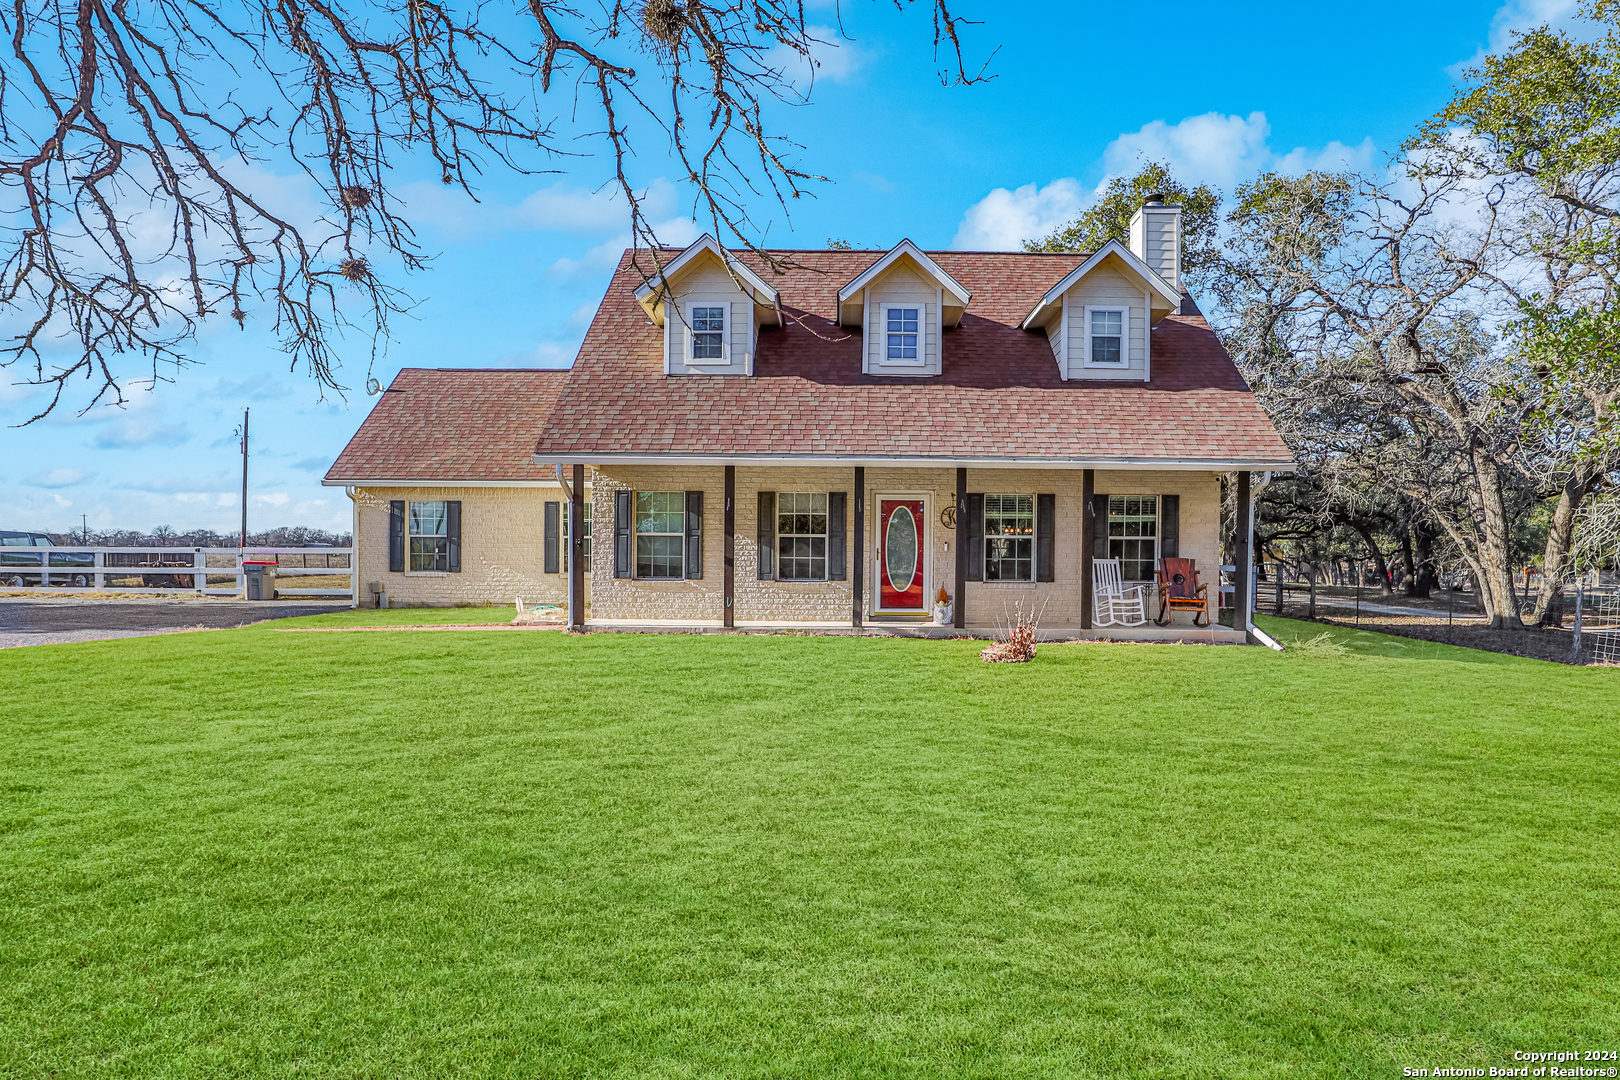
(902, 303)
(711, 307)
(1099, 318)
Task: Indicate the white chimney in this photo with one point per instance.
(1156, 238)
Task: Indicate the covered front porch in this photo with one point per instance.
(767, 547)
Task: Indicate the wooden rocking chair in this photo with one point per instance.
(1179, 589)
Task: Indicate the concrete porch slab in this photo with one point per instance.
(1219, 635)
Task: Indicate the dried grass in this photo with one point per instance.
(1019, 646)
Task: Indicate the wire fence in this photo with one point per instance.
(1595, 633)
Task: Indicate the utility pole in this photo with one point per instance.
(85, 518)
(244, 476)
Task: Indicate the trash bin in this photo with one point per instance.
(261, 579)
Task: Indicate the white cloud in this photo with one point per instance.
(1521, 15)
(547, 354)
(581, 317)
(876, 181)
(1208, 149)
(833, 58)
(1003, 219)
(217, 481)
(260, 387)
(600, 260)
(59, 478)
(559, 207)
(1334, 157)
(275, 498)
(138, 431)
(61, 501)
(137, 423)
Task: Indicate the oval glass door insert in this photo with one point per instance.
(900, 549)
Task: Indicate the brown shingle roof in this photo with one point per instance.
(453, 424)
(999, 396)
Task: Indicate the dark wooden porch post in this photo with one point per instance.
(576, 552)
(727, 618)
(1088, 542)
(960, 619)
(858, 578)
(1241, 559)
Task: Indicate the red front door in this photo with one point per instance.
(900, 567)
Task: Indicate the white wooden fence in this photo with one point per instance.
(170, 571)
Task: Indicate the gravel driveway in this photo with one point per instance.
(56, 621)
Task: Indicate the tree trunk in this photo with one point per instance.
(1378, 561)
(1483, 538)
(1423, 552)
(1498, 598)
(1407, 562)
(1583, 480)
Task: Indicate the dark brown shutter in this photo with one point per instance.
(1099, 527)
(765, 535)
(837, 565)
(694, 534)
(973, 529)
(1045, 537)
(1169, 526)
(452, 529)
(553, 537)
(621, 534)
(396, 536)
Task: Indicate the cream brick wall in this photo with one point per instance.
(1060, 602)
(628, 598)
(1200, 519)
(988, 603)
(502, 549)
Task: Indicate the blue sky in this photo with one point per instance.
(1082, 92)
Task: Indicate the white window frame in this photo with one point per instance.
(1158, 538)
(724, 359)
(1124, 313)
(811, 536)
(922, 334)
(636, 534)
(984, 530)
(411, 535)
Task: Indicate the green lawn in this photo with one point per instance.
(250, 853)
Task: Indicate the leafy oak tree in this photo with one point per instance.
(1539, 125)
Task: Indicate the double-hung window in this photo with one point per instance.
(1009, 538)
(901, 333)
(708, 332)
(801, 536)
(1105, 336)
(429, 536)
(660, 534)
(1133, 535)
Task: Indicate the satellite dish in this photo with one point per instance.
(373, 387)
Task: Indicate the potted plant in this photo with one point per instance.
(942, 607)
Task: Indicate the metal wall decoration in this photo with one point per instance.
(947, 517)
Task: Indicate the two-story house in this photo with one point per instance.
(831, 444)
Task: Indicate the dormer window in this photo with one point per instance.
(1105, 343)
(708, 323)
(901, 325)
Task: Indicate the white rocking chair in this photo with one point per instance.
(1115, 605)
